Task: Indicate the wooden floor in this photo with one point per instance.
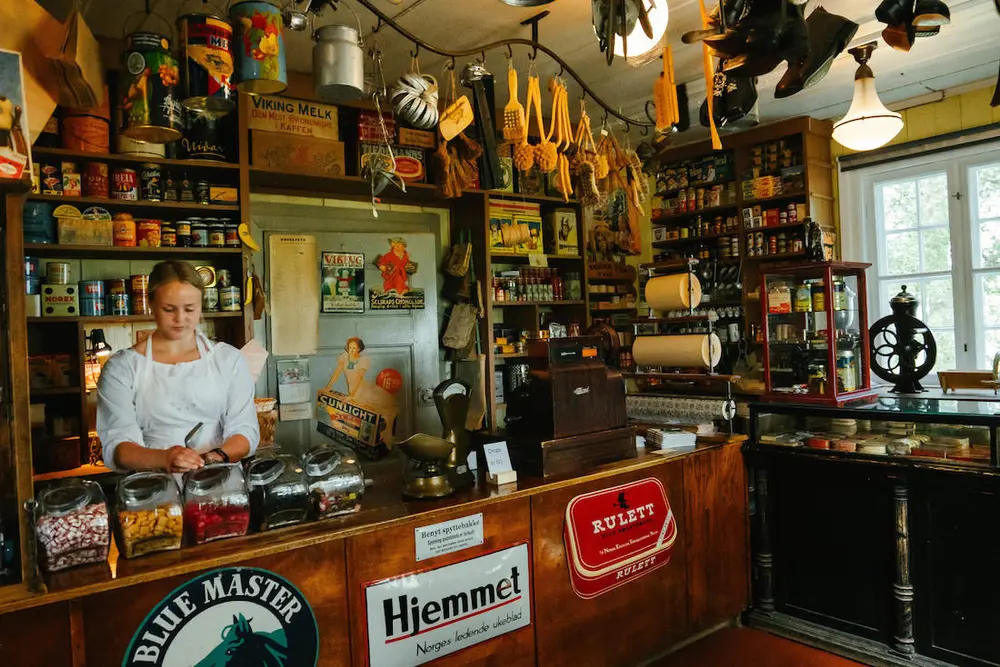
(743, 647)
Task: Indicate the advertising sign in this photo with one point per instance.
(616, 535)
(343, 282)
(290, 116)
(422, 616)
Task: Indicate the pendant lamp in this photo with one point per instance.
(637, 42)
(868, 124)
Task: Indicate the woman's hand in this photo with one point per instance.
(182, 459)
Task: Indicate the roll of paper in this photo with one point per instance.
(685, 351)
(663, 408)
(681, 290)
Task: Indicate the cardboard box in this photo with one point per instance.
(417, 138)
(287, 116)
(222, 194)
(561, 233)
(411, 163)
(77, 231)
(499, 219)
(60, 300)
(536, 238)
(369, 129)
(303, 155)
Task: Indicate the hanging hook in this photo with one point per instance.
(510, 53)
(415, 54)
(533, 54)
(483, 56)
(628, 127)
(644, 131)
(451, 65)
(604, 118)
(561, 70)
(378, 26)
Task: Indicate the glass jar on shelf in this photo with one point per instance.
(278, 492)
(216, 503)
(150, 516)
(336, 481)
(71, 523)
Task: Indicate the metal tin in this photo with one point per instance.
(152, 111)
(207, 136)
(138, 284)
(91, 288)
(116, 286)
(259, 47)
(92, 306)
(32, 285)
(229, 298)
(140, 304)
(123, 230)
(847, 371)
(223, 278)
(202, 192)
(216, 235)
(232, 235)
(95, 179)
(819, 296)
(30, 266)
(199, 234)
(125, 184)
(39, 224)
(210, 299)
(170, 187)
(148, 233)
(149, 180)
(119, 304)
(206, 62)
(51, 178)
(57, 273)
(183, 230)
(168, 235)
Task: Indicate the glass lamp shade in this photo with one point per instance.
(868, 124)
(638, 44)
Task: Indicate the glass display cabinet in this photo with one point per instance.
(816, 347)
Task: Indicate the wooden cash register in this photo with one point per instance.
(570, 415)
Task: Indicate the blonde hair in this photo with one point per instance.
(173, 270)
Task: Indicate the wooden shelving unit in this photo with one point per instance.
(64, 154)
(118, 252)
(139, 204)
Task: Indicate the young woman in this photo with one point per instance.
(150, 396)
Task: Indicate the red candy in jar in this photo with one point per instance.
(216, 503)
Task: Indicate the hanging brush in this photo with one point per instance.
(514, 127)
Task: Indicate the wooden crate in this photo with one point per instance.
(303, 155)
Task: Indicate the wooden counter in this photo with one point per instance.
(87, 616)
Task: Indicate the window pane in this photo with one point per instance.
(989, 287)
(937, 248)
(989, 243)
(933, 200)
(902, 253)
(899, 205)
(988, 191)
(992, 347)
(945, 339)
(938, 303)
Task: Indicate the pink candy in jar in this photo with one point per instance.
(72, 525)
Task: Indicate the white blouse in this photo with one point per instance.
(156, 407)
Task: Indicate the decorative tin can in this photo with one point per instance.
(203, 192)
(207, 136)
(116, 286)
(168, 235)
(95, 179)
(229, 298)
(207, 62)
(31, 266)
(138, 289)
(199, 233)
(138, 283)
(57, 273)
(118, 304)
(183, 229)
(123, 230)
(210, 299)
(51, 178)
(216, 233)
(149, 179)
(32, 285)
(152, 111)
(39, 225)
(148, 233)
(259, 47)
(126, 184)
(232, 235)
(92, 298)
(223, 278)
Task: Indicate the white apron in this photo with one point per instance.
(172, 398)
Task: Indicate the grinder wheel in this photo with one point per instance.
(610, 344)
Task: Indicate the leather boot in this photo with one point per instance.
(900, 37)
(894, 12)
(829, 35)
(931, 13)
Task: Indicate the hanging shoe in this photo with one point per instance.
(829, 35)
(926, 32)
(792, 45)
(900, 37)
(931, 13)
(894, 12)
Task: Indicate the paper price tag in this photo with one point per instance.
(497, 457)
(538, 259)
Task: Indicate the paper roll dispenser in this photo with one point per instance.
(571, 391)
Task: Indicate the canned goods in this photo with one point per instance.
(229, 298)
(123, 230)
(199, 234)
(202, 191)
(126, 184)
(183, 231)
(169, 187)
(138, 283)
(217, 235)
(118, 304)
(140, 304)
(232, 235)
(210, 299)
(168, 235)
(187, 189)
(51, 178)
(223, 278)
(57, 273)
(95, 179)
(116, 286)
(149, 179)
(31, 266)
(92, 298)
(68, 167)
(148, 233)
(91, 288)
(32, 285)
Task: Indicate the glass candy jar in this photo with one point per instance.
(336, 481)
(150, 516)
(278, 492)
(216, 503)
(71, 522)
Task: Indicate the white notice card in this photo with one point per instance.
(448, 536)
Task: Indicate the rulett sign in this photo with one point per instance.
(616, 535)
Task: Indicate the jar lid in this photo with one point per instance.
(903, 297)
(122, 216)
(321, 461)
(264, 471)
(207, 479)
(142, 487)
(65, 498)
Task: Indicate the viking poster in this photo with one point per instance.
(343, 282)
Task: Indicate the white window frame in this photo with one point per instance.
(859, 242)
